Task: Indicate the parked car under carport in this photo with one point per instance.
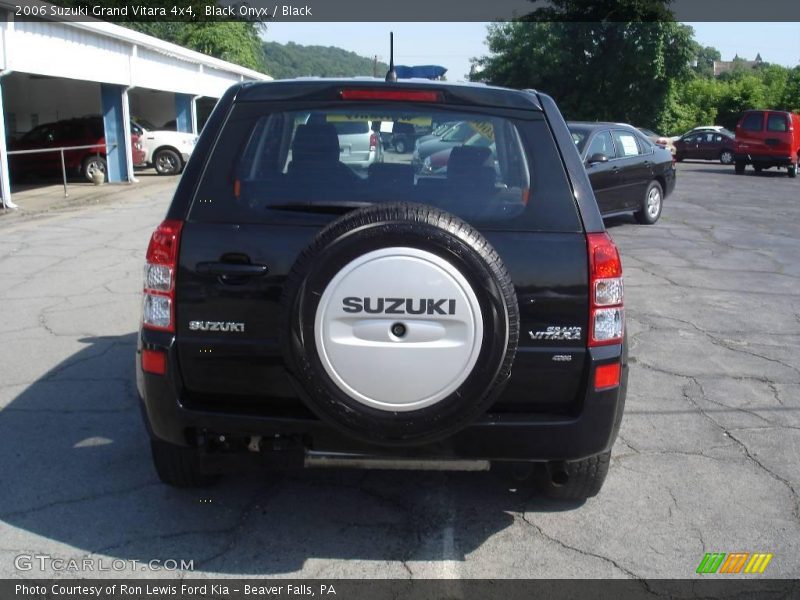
(166, 151)
(85, 133)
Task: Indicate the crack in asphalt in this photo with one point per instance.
(697, 453)
(775, 393)
(772, 473)
(728, 376)
(723, 343)
(75, 500)
(628, 573)
(233, 531)
(744, 448)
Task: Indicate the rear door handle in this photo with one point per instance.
(225, 269)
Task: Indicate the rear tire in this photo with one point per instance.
(400, 146)
(586, 477)
(739, 167)
(178, 466)
(726, 157)
(652, 204)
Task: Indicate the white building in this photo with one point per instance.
(52, 70)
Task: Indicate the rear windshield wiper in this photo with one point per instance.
(332, 208)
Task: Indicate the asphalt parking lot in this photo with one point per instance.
(707, 460)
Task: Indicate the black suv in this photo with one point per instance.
(298, 312)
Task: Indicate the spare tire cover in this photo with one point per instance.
(401, 324)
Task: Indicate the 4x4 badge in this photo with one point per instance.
(557, 333)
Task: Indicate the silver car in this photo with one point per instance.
(359, 145)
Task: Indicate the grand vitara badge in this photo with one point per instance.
(557, 333)
(226, 326)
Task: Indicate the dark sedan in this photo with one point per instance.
(627, 171)
(706, 145)
(437, 133)
(458, 135)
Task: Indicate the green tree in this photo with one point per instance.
(791, 93)
(619, 71)
(295, 60)
(691, 103)
(602, 10)
(739, 94)
(705, 57)
(234, 41)
(774, 79)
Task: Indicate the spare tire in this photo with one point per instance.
(401, 324)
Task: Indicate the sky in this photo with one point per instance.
(453, 44)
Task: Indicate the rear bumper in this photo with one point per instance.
(765, 160)
(535, 437)
(362, 163)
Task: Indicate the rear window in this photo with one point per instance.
(279, 163)
(601, 144)
(625, 142)
(777, 123)
(752, 122)
(579, 136)
(458, 133)
(41, 134)
(645, 145)
(83, 131)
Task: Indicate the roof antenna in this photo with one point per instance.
(391, 74)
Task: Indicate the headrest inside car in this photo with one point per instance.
(464, 161)
(315, 143)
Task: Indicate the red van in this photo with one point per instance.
(768, 138)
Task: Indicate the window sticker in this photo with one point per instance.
(629, 145)
(484, 128)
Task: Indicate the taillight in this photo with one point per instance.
(607, 317)
(158, 309)
(154, 361)
(373, 141)
(390, 94)
(607, 376)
